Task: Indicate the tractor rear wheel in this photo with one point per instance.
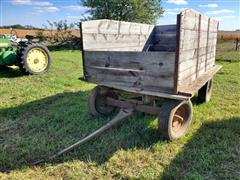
(34, 59)
(174, 119)
(97, 101)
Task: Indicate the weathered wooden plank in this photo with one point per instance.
(152, 58)
(190, 20)
(165, 29)
(190, 54)
(213, 25)
(164, 38)
(110, 35)
(196, 85)
(106, 26)
(204, 23)
(159, 62)
(136, 69)
(188, 63)
(132, 78)
(162, 47)
(151, 92)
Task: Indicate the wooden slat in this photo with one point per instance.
(196, 85)
(110, 35)
(132, 61)
(164, 38)
(197, 46)
(136, 69)
(207, 49)
(152, 92)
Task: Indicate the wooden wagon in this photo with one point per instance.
(151, 69)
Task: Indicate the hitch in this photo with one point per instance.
(123, 113)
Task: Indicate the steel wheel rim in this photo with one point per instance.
(180, 118)
(37, 60)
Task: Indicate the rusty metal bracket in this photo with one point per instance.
(135, 105)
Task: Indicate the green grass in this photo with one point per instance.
(41, 114)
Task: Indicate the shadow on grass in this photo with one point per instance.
(63, 48)
(8, 72)
(35, 130)
(32, 131)
(212, 153)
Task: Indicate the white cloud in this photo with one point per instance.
(41, 10)
(213, 5)
(220, 11)
(173, 11)
(76, 8)
(222, 18)
(177, 2)
(73, 17)
(31, 3)
(42, 4)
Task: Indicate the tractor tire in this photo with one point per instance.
(34, 59)
(205, 93)
(174, 119)
(97, 101)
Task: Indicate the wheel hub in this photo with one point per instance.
(37, 59)
(177, 122)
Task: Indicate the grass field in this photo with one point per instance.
(41, 114)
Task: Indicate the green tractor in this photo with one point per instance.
(31, 58)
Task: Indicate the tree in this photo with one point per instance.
(142, 11)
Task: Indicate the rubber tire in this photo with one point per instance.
(94, 99)
(205, 93)
(165, 119)
(22, 56)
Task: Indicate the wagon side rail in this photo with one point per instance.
(195, 56)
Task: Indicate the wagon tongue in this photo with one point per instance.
(123, 113)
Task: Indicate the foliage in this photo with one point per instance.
(40, 35)
(61, 34)
(142, 11)
(40, 115)
(18, 26)
(60, 31)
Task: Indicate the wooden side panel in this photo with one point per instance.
(110, 35)
(164, 38)
(198, 34)
(144, 70)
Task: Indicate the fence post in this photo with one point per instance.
(237, 41)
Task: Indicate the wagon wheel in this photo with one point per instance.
(175, 118)
(204, 94)
(97, 101)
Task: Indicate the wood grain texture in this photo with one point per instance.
(147, 70)
(196, 85)
(197, 46)
(164, 38)
(110, 35)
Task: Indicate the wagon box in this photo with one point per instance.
(151, 62)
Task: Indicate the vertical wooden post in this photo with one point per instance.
(206, 60)
(177, 54)
(198, 43)
(83, 60)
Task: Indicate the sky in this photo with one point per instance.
(37, 12)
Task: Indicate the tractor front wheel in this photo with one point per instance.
(34, 59)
